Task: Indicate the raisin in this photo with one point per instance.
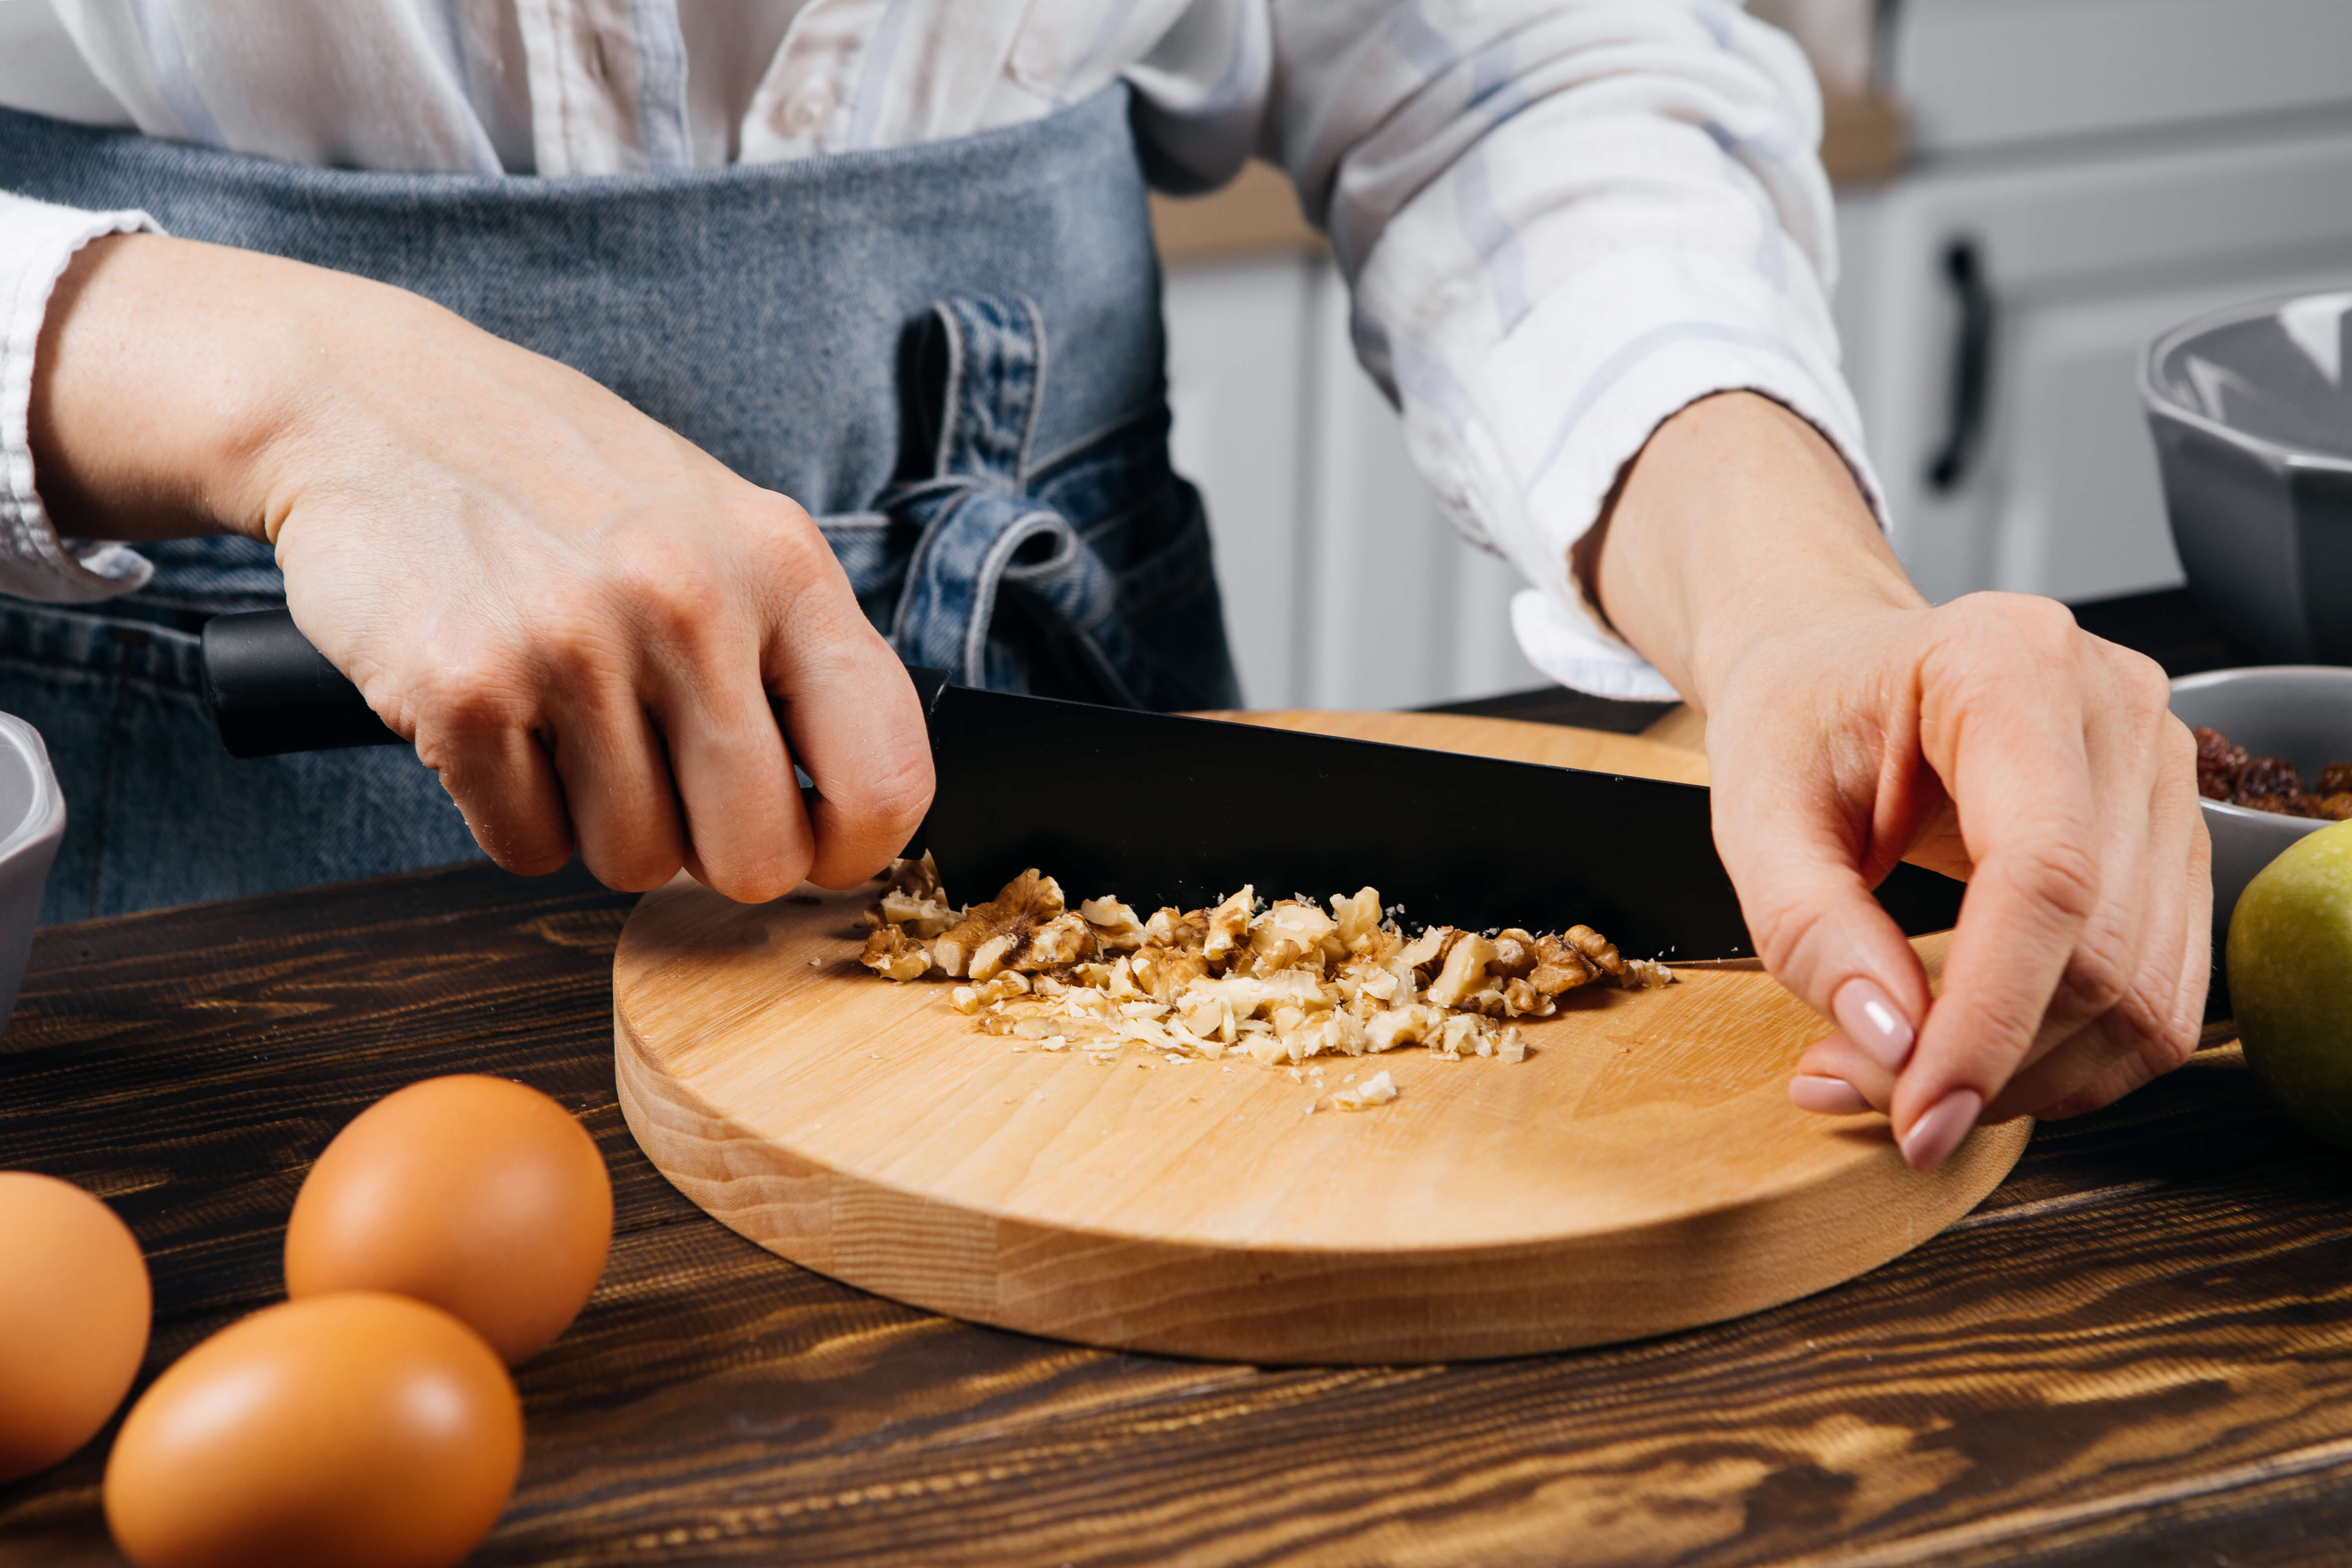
(2336, 778)
(2218, 763)
(2338, 805)
(2266, 776)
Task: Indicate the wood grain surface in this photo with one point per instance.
(2136, 1352)
(1641, 1171)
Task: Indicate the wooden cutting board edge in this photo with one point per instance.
(1293, 1307)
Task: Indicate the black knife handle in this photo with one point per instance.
(271, 692)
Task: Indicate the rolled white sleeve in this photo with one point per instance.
(37, 240)
(1563, 224)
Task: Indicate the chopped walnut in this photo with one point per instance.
(1427, 948)
(917, 917)
(1377, 1090)
(1227, 926)
(1522, 1000)
(1464, 976)
(917, 878)
(1176, 930)
(1282, 984)
(1598, 949)
(1001, 927)
(889, 955)
(1291, 934)
(1645, 975)
(1064, 940)
(1115, 925)
(1559, 967)
(1357, 919)
(1001, 988)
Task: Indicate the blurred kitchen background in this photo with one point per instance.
(2029, 191)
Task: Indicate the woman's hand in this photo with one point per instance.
(579, 618)
(1849, 725)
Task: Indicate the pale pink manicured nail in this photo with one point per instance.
(1826, 1096)
(1938, 1132)
(1871, 1020)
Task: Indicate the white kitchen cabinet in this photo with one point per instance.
(2083, 254)
(2112, 168)
(1344, 587)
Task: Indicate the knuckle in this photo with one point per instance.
(463, 696)
(2098, 975)
(2060, 873)
(2146, 684)
(672, 594)
(892, 795)
(572, 646)
(1784, 929)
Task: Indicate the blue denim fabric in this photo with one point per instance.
(1086, 577)
(950, 354)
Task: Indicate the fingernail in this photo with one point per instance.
(1871, 1020)
(1937, 1132)
(1826, 1096)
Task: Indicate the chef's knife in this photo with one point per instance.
(1159, 809)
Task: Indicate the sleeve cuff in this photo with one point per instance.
(37, 241)
(1572, 395)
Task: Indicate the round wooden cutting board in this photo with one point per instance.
(1641, 1171)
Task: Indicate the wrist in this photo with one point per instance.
(1738, 524)
(165, 375)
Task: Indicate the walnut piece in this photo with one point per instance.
(1005, 923)
(889, 955)
(1116, 927)
(1377, 1090)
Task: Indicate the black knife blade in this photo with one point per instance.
(1158, 809)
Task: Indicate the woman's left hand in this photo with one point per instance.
(1852, 725)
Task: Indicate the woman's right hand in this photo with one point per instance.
(580, 618)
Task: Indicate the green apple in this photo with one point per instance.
(2291, 981)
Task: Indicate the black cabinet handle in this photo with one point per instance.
(1971, 367)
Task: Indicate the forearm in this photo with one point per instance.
(165, 372)
(1736, 522)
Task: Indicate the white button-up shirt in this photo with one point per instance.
(1562, 220)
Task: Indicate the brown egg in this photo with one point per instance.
(352, 1431)
(74, 1307)
(476, 1194)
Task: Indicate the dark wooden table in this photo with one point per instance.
(2138, 1350)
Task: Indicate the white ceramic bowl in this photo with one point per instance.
(2301, 712)
(32, 821)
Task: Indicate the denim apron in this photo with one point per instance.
(951, 354)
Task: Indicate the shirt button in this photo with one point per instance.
(805, 112)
